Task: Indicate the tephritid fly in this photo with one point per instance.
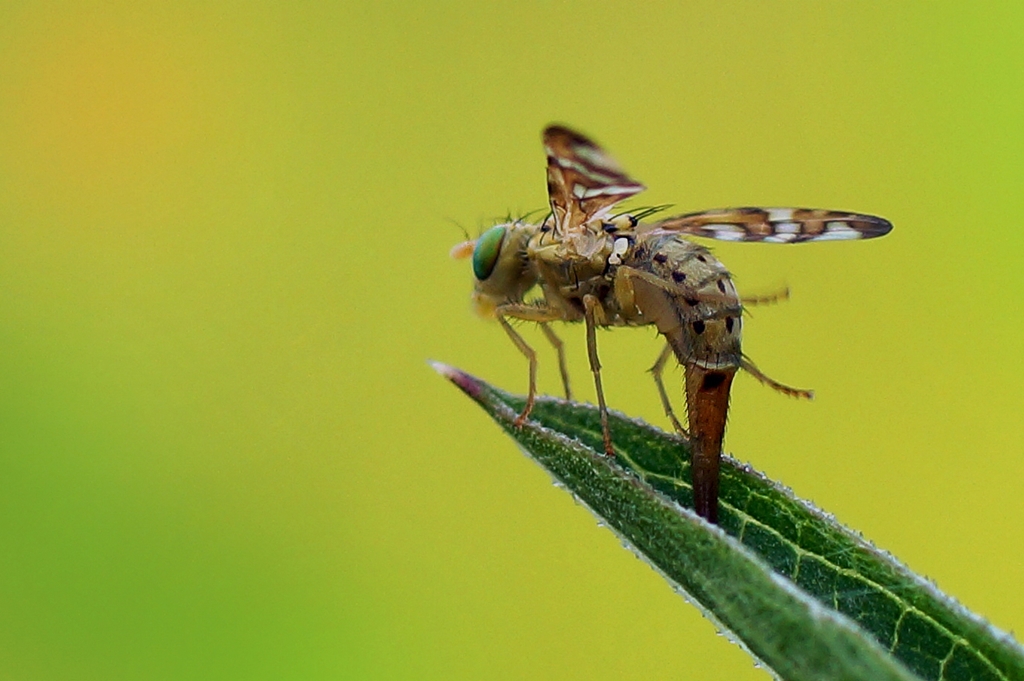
(612, 270)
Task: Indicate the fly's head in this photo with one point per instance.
(501, 267)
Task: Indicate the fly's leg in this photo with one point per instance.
(656, 372)
(531, 357)
(768, 298)
(594, 316)
(696, 295)
(532, 313)
(654, 280)
(692, 294)
(556, 342)
(751, 369)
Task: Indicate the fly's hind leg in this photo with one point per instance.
(767, 298)
(751, 369)
(594, 316)
(696, 295)
(556, 342)
(656, 372)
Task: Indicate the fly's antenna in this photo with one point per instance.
(462, 229)
(463, 249)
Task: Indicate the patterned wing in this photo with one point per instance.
(777, 225)
(583, 181)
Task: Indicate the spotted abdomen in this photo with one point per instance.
(689, 295)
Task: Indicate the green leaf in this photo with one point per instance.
(805, 596)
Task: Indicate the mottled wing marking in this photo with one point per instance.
(583, 181)
(777, 225)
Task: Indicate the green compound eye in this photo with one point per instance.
(485, 255)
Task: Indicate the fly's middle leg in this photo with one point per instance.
(594, 315)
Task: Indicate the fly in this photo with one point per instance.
(612, 270)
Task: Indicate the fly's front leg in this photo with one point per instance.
(595, 315)
(556, 342)
(529, 313)
(531, 357)
(656, 371)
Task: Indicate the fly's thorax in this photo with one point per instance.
(690, 296)
(584, 250)
(503, 271)
(569, 268)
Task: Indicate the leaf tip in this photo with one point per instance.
(470, 385)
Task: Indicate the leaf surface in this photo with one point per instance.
(807, 597)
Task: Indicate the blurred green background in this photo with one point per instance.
(223, 263)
